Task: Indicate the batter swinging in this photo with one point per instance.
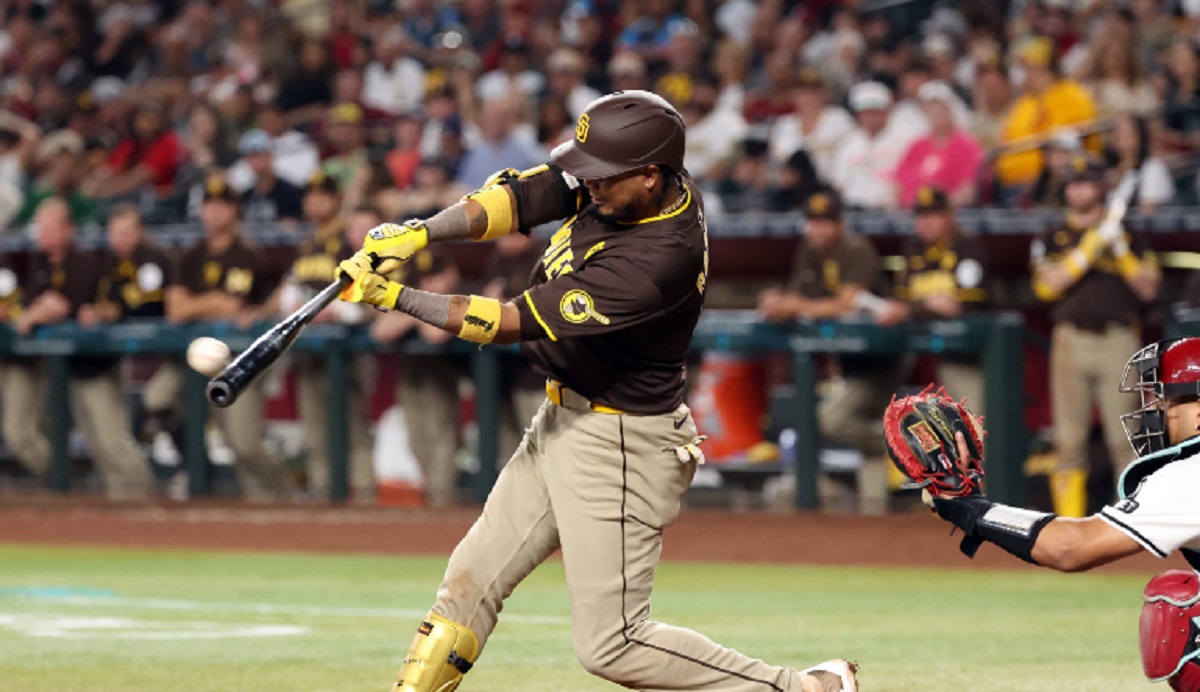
(606, 460)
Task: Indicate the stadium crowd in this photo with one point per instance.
(323, 118)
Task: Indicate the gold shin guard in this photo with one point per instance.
(1068, 489)
(441, 653)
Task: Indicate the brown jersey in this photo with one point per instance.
(612, 307)
(10, 290)
(77, 278)
(238, 271)
(317, 258)
(817, 274)
(137, 284)
(955, 268)
(1100, 297)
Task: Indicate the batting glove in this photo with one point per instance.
(366, 286)
(392, 245)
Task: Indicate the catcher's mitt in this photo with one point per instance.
(919, 431)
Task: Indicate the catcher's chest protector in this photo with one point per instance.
(1169, 628)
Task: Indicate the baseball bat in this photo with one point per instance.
(225, 388)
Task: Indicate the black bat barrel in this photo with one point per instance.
(225, 388)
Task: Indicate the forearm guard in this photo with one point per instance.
(1013, 529)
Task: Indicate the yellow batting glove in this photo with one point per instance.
(367, 286)
(392, 245)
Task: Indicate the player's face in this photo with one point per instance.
(218, 214)
(932, 227)
(319, 205)
(124, 232)
(1083, 195)
(1183, 417)
(626, 197)
(823, 233)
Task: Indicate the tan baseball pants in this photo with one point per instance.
(428, 391)
(602, 487)
(312, 393)
(1085, 369)
(259, 473)
(98, 408)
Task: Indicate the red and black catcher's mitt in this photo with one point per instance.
(919, 431)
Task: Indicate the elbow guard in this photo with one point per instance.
(497, 203)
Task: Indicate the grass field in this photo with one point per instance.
(108, 619)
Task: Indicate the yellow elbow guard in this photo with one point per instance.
(482, 321)
(499, 209)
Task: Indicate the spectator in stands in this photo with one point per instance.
(1048, 102)
(747, 185)
(795, 182)
(908, 115)
(306, 94)
(864, 165)
(143, 162)
(651, 32)
(948, 158)
(349, 155)
(1128, 153)
(555, 124)
(208, 145)
(682, 53)
(59, 167)
(515, 78)
(62, 284)
(500, 148)
(627, 71)
(316, 259)
(405, 154)
(944, 277)
(270, 199)
(565, 83)
(1117, 81)
(433, 189)
(294, 157)
(428, 387)
(222, 278)
(991, 98)
(393, 82)
(832, 272)
(426, 19)
(713, 131)
(730, 64)
(1049, 190)
(816, 126)
(18, 136)
(1181, 97)
(1098, 279)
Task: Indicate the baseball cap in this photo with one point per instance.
(217, 188)
(931, 199)
(107, 89)
(810, 78)
(1085, 168)
(866, 96)
(937, 90)
(565, 60)
(826, 204)
(626, 64)
(1036, 51)
(255, 142)
(320, 181)
(345, 113)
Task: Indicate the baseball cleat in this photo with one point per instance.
(837, 675)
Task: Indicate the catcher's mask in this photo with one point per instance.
(1167, 369)
(1169, 630)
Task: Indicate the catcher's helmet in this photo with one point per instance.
(1168, 368)
(1169, 629)
(620, 132)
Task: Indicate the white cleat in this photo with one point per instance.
(837, 675)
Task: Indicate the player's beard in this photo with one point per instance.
(620, 214)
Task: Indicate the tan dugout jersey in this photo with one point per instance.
(612, 306)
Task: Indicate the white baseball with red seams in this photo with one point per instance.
(208, 356)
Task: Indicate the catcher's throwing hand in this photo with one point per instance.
(392, 245)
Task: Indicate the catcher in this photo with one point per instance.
(607, 458)
(936, 442)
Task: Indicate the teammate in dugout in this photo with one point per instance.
(608, 457)
(1157, 510)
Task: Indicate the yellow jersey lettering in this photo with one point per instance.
(558, 256)
(922, 286)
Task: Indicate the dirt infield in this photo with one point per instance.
(700, 535)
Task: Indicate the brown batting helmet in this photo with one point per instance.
(620, 132)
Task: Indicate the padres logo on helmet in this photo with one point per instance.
(577, 306)
(581, 129)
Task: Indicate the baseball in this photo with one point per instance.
(208, 356)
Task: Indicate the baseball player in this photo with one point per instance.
(1157, 510)
(601, 472)
(1097, 276)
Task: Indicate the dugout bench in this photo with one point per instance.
(998, 337)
